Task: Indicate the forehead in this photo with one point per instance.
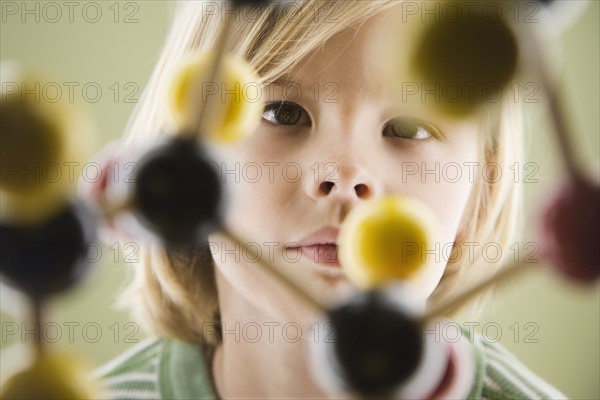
(356, 58)
(369, 66)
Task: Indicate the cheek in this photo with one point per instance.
(259, 190)
(459, 173)
(444, 183)
(448, 203)
(254, 209)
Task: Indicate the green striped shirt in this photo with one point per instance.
(170, 369)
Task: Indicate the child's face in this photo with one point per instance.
(331, 148)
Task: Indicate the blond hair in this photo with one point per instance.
(174, 292)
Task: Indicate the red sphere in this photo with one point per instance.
(572, 231)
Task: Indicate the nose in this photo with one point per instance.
(343, 182)
(360, 190)
(348, 168)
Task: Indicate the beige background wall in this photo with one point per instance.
(551, 325)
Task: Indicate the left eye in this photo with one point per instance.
(286, 113)
(409, 128)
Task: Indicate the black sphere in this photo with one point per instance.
(48, 257)
(376, 344)
(178, 192)
(465, 55)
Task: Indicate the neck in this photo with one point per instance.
(265, 371)
(260, 356)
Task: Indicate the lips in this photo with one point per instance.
(321, 246)
(322, 254)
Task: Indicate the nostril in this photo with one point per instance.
(361, 190)
(326, 187)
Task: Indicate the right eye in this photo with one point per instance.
(411, 129)
(286, 113)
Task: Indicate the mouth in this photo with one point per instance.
(324, 254)
(321, 246)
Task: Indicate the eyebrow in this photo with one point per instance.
(293, 89)
(285, 80)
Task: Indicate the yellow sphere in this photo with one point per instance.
(44, 143)
(51, 376)
(385, 240)
(235, 97)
